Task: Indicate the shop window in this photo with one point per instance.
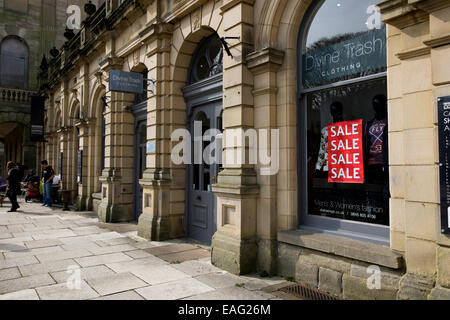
(14, 56)
(342, 72)
(139, 98)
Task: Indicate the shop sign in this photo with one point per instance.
(444, 161)
(127, 82)
(345, 152)
(361, 54)
(37, 118)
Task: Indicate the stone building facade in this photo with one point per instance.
(29, 29)
(115, 149)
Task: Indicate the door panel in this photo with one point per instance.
(201, 200)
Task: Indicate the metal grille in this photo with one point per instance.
(308, 293)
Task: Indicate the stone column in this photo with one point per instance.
(234, 245)
(83, 194)
(264, 66)
(117, 177)
(156, 222)
(63, 140)
(90, 163)
(418, 51)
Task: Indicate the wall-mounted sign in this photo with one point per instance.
(80, 167)
(128, 82)
(444, 161)
(345, 152)
(37, 118)
(364, 53)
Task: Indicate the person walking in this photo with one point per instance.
(47, 175)
(13, 188)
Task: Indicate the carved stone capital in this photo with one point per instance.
(266, 60)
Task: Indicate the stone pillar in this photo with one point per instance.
(234, 245)
(418, 51)
(83, 194)
(90, 167)
(63, 140)
(156, 221)
(117, 177)
(264, 66)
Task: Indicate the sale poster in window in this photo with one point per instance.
(345, 152)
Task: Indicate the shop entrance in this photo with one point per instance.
(203, 97)
(140, 142)
(202, 215)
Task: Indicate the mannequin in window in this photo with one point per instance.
(376, 143)
(336, 111)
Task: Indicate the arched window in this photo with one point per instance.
(14, 55)
(143, 96)
(208, 60)
(342, 82)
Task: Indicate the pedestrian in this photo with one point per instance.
(47, 175)
(13, 188)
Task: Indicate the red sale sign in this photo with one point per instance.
(345, 152)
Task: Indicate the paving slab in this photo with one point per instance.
(42, 243)
(111, 249)
(159, 274)
(9, 263)
(123, 296)
(103, 259)
(138, 254)
(186, 255)
(115, 242)
(47, 267)
(174, 290)
(11, 273)
(28, 294)
(196, 267)
(63, 292)
(5, 235)
(85, 273)
(32, 252)
(30, 282)
(171, 248)
(63, 255)
(89, 230)
(116, 283)
(219, 280)
(128, 266)
(232, 293)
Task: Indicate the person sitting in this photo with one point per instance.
(29, 175)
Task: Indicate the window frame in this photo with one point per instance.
(346, 228)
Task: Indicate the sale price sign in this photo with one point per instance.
(345, 152)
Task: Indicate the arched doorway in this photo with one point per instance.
(139, 110)
(203, 97)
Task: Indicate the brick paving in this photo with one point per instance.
(42, 251)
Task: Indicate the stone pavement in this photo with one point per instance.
(49, 254)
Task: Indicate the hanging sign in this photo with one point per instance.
(128, 82)
(345, 152)
(444, 161)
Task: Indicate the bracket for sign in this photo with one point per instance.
(152, 85)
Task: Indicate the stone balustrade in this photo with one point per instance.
(15, 95)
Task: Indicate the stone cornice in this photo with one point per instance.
(429, 5)
(111, 62)
(183, 9)
(401, 14)
(266, 60)
(415, 52)
(438, 41)
(232, 3)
